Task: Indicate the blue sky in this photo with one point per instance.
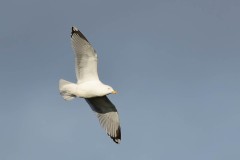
(174, 63)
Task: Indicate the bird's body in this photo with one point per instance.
(87, 89)
(89, 86)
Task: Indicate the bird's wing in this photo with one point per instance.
(107, 115)
(85, 57)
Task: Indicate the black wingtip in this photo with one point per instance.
(76, 31)
(117, 138)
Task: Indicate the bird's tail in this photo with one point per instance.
(65, 89)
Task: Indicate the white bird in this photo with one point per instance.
(89, 86)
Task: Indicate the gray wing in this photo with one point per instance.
(85, 57)
(107, 115)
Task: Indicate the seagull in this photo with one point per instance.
(89, 86)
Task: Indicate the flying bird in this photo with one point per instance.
(89, 86)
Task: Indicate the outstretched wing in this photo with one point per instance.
(85, 57)
(107, 115)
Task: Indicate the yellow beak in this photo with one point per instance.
(114, 92)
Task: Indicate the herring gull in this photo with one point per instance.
(89, 86)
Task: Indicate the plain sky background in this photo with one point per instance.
(176, 65)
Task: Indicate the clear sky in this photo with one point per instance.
(176, 65)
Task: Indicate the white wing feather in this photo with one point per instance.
(111, 124)
(85, 57)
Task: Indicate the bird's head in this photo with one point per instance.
(110, 90)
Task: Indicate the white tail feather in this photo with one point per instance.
(64, 91)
